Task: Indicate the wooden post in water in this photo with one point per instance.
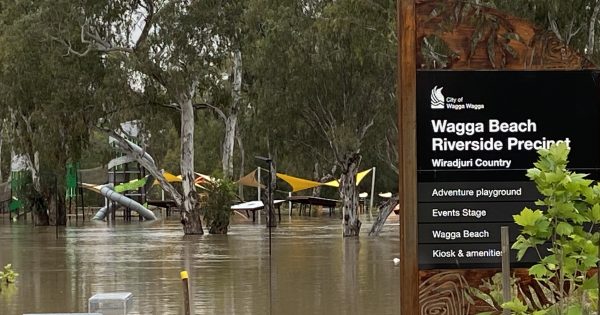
(407, 148)
(186, 292)
(505, 245)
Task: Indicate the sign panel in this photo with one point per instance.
(477, 134)
(469, 212)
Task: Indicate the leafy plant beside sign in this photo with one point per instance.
(562, 232)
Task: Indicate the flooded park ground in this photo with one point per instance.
(313, 269)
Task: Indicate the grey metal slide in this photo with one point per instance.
(112, 195)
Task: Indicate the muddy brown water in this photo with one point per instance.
(312, 270)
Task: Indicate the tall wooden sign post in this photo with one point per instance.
(407, 146)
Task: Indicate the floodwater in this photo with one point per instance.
(312, 268)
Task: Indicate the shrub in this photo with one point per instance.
(221, 194)
(568, 212)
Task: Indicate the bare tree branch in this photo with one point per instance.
(70, 49)
(554, 27)
(149, 7)
(213, 108)
(572, 33)
(172, 106)
(148, 163)
(365, 128)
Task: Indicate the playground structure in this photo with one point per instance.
(121, 183)
(124, 184)
(10, 201)
(118, 199)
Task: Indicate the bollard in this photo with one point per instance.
(186, 292)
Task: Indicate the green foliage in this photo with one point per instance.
(569, 201)
(490, 291)
(334, 60)
(538, 298)
(516, 306)
(8, 275)
(217, 212)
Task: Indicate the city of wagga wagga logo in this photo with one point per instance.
(439, 101)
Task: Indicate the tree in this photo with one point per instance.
(45, 99)
(338, 63)
(170, 52)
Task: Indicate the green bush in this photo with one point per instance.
(221, 195)
(8, 275)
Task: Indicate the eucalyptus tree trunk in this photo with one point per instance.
(1, 143)
(32, 160)
(231, 120)
(316, 192)
(39, 209)
(384, 212)
(34, 168)
(316, 175)
(228, 145)
(56, 206)
(192, 220)
(349, 194)
(242, 163)
(592, 30)
(54, 193)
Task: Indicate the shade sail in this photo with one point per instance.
(359, 178)
(298, 183)
(201, 178)
(250, 180)
(169, 178)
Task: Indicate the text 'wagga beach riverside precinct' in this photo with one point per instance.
(494, 126)
(477, 193)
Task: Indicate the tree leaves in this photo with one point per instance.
(569, 201)
(528, 217)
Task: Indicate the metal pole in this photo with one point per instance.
(372, 190)
(290, 205)
(505, 267)
(270, 223)
(271, 214)
(258, 188)
(407, 145)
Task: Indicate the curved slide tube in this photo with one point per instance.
(109, 193)
(101, 214)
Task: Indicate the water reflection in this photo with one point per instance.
(314, 270)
